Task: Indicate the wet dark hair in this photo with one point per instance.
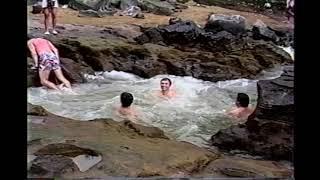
(243, 99)
(166, 79)
(126, 99)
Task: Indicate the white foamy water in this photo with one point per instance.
(289, 50)
(194, 115)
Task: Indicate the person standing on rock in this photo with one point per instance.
(290, 9)
(242, 110)
(46, 59)
(50, 7)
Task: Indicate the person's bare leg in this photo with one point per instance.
(61, 77)
(54, 12)
(44, 76)
(46, 19)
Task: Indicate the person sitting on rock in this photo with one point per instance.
(242, 110)
(126, 110)
(46, 59)
(165, 91)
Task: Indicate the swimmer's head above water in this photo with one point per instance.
(126, 99)
(242, 110)
(165, 85)
(242, 100)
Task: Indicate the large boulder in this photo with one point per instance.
(37, 8)
(156, 7)
(243, 168)
(269, 130)
(183, 32)
(36, 110)
(127, 149)
(234, 24)
(125, 4)
(74, 71)
(51, 166)
(261, 31)
(96, 5)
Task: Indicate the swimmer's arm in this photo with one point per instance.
(33, 52)
(54, 49)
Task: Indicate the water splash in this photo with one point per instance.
(289, 50)
(194, 115)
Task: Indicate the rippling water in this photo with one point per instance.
(194, 115)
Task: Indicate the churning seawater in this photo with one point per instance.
(194, 115)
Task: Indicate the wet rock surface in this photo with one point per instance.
(182, 49)
(269, 130)
(135, 151)
(129, 149)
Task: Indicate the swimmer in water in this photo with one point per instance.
(126, 110)
(165, 91)
(242, 110)
(46, 59)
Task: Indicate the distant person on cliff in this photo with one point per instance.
(126, 110)
(50, 7)
(46, 59)
(165, 85)
(242, 110)
(290, 9)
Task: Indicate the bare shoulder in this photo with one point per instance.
(173, 93)
(29, 42)
(233, 111)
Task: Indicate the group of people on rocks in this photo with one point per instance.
(46, 59)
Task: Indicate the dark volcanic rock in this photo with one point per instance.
(156, 7)
(152, 132)
(279, 36)
(182, 49)
(68, 150)
(182, 32)
(269, 130)
(127, 149)
(51, 166)
(36, 110)
(244, 168)
(74, 71)
(36, 8)
(262, 31)
(234, 24)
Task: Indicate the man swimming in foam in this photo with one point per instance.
(126, 110)
(242, 110)
(165, 85)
